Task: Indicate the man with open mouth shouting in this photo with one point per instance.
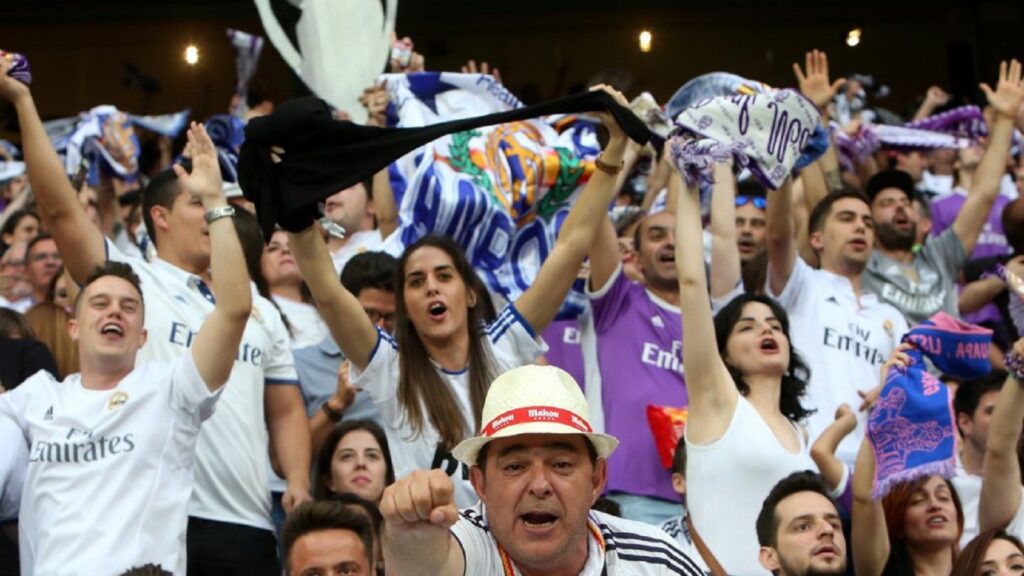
(537, 468)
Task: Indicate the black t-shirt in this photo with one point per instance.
(21, 358)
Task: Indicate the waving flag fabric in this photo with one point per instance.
(501, 191)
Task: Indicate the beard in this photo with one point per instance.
(787, 570)
(892, 238)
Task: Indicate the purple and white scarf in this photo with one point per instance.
(770, 134)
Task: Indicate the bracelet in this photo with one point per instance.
(608, 169)
(1015, 366)
(332, 414)
(218, 213)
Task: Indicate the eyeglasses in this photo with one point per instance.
(376, 316)
(759, 201)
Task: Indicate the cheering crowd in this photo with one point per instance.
(773, 331)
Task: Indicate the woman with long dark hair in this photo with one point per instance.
(429, 382)
(354, 458)
(744, 384)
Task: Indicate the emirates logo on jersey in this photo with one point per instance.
(117, 400)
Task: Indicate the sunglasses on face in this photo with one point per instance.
(759, 202)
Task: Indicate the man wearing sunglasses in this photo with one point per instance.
(751, 222)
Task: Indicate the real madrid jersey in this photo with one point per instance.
(110, 471)
(843, 340)
(231, 459)
(511, 343)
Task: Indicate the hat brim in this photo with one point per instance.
(468, 450)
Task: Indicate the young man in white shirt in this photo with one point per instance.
(230, 510)
(537, 468)
(843, 332)
(111, 449)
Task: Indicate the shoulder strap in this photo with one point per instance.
(705, 553)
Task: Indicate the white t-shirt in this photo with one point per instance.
(13, 462)
(231, 466)
(844, 342)
(511, 342)
(727, 481)
(616, 547)
(307, 327)
(110, 471)
(366, 241)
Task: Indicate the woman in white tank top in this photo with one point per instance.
(744, 385)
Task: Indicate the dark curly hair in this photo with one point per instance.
(794, 382)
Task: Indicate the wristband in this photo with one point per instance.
(1015, 366)
(332, 414)
(608, 168)
(218, 213)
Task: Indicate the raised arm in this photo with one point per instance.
(725, 254)
(710, 388)
(823, 451)
(576, 239)
(869, 535)
(217, 342)
(934, 98)
(1006, 101)
(418, 510)
(79, 241)
(375, 99)
(1000, 486)
(779, 241)
(815, 85)
(341, 311)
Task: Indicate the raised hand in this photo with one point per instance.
(815, 83)
(936, 96)
(10, 89)
(204, 183)
(375, 99)
(615, 133)
(485, 68)
(1009, 93)
(424, 499)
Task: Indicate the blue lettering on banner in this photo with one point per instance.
(182, 336)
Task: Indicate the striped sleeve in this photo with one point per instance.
(646, 550)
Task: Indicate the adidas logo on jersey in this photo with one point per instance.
(49, 414)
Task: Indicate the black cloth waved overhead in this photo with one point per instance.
(324, 155)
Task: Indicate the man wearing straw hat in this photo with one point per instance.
(537, 468)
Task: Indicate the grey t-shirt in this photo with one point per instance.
(925, 286)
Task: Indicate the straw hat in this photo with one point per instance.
(534, 400)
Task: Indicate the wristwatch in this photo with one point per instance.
(218, 213)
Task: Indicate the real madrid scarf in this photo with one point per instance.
(911, 427)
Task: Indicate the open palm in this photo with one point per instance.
(205, 179)
(815, 84)
(1009, 93)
